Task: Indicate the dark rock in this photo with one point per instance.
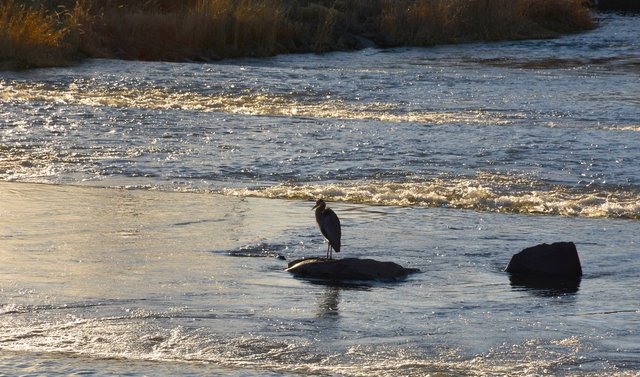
(557, 259)
(348, 269)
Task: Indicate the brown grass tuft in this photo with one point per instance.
(31, 36)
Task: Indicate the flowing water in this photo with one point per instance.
(143, 207)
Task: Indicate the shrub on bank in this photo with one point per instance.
(429, 22)
(31, 36)
(49, 32)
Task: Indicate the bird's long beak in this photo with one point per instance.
(316, 206)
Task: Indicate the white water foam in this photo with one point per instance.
(469, 193)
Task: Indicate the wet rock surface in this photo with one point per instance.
(348, 269)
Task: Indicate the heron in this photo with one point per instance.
(329, 225)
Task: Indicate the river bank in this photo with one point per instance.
(55, 33)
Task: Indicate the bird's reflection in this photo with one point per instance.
(328, 303)
(329, 299)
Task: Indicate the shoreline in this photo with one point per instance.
(64, 32)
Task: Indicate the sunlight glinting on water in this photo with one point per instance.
(244, 103)
(118, 338)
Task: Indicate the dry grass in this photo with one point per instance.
(31, 36)
(559, 16)
(207, 29)
(429, 22)
(56, 31)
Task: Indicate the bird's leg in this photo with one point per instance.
(328, 248)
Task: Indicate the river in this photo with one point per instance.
(144, 205)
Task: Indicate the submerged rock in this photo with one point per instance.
(348, 269)
(559, 259)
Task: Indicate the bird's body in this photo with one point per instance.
(329, 225)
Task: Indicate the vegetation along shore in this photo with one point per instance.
(40, 33)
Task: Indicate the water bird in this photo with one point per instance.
(329, 225)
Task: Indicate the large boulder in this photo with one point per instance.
(559, 259)
(348, 269)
